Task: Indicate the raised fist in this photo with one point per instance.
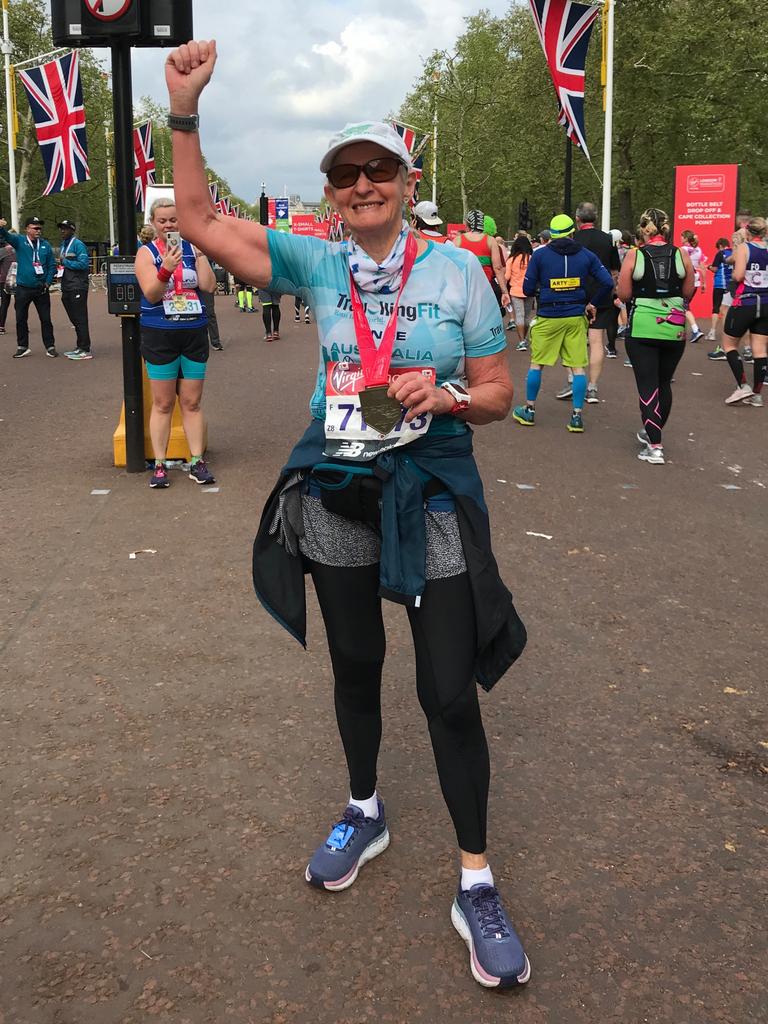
(188, 70)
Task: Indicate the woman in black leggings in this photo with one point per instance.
(270, 314)
(382, 497)
(654, 281)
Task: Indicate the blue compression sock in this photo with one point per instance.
(532, 385)
(579, 390)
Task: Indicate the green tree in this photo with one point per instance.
(690, 87)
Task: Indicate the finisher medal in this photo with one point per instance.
(380, 411)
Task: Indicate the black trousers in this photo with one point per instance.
(209, 300)
(76, 305)
(443, 631)
(42, 300)
(5, 301)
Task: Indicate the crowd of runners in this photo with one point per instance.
(572, 291)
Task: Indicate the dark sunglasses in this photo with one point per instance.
(383, 168)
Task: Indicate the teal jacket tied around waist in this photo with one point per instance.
(278, 576)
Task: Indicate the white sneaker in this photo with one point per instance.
(741, 392)
(756, 400)
(642, 437)
(653, 455)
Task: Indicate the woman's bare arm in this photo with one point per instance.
(240, 246)
(624, 286)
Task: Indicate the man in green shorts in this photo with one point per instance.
(559, 273)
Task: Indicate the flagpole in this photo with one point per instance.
(434, 155)
(109, 191)
(11, 115)
(608, 143)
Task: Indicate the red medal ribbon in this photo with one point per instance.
(178, 272)
(375, 361)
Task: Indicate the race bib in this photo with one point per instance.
(347, 435)
(757, 278)
(564, 284)
(182, 305)
(38, 268)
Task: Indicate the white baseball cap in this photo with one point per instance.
(427, 212)
(380, 132)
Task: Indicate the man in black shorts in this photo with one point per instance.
(606, 321)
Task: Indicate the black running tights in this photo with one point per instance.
(654, 362)
(270, 314)
(443, 630)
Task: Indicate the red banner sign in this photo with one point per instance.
(705, 203)
(271, 215)
(303, 224)
(454, 229)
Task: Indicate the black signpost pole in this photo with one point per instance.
(122, 104)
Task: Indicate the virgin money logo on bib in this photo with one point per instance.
(344, 380)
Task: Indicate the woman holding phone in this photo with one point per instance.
(174, 337)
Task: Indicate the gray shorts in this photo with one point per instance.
(522, 310)
(335, 540)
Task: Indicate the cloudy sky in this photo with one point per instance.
(290, 73)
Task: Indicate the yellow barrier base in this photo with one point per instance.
(177, 443)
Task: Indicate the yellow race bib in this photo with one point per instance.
(564, 284)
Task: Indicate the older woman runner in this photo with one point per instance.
(381, 497)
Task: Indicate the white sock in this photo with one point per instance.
(476, 876)
(695, 327)
(369, 807)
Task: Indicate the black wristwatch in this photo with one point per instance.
(184, 122)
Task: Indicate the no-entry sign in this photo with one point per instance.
(108, 10)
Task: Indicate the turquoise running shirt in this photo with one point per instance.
(447, 311)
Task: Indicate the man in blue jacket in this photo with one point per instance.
(35, 271)
(76, 263)
(559, 273)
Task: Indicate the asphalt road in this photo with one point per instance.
(170, 758)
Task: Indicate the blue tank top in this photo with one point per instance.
(154, 315)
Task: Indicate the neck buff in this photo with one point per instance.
(475, 220)
(384, 277)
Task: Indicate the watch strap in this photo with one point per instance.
(461, 404)
(184, 122)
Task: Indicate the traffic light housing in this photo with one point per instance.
(524, 218)
(100, 22)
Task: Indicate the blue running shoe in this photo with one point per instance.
(576, 424)
(496, 955)
(525, 415)
(353, 841)
(201, 474)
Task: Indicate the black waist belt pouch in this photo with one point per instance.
(354, 494)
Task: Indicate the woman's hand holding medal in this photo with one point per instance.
(419, 396)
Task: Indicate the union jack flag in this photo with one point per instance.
(406, 133)
(143, 162)
(564, 30)
(55, 96)
(220, 204)
(409, 136)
